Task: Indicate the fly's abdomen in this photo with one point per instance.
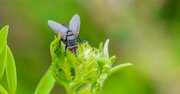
(72, 43)
(73, 48)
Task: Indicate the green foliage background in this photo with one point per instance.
(143, 32)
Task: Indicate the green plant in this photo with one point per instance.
(7, 64)
(83, 73)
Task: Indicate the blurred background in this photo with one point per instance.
(143, 32)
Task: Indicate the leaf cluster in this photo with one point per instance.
(7, 64)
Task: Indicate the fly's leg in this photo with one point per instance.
(65, 50)
(75, 51)
(79, 40)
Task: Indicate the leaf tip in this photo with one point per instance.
(5, 28)
(105, 49)
(118, 67)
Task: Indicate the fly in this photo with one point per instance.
(69, 34)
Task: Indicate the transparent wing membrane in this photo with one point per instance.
(57, 28)
(74, 24)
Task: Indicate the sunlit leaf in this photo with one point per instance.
(3, 42)
(11, 72)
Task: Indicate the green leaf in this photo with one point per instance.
(118, 67)
(3, 37)
(113, 58)
(3, 56)
(3, 42)
(11, 72)
(46, 84)
(2, 90)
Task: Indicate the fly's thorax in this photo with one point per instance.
(71, 39)
(69, 32)
(70, 36)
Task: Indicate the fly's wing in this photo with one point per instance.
(58, 28)
(74, 24)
